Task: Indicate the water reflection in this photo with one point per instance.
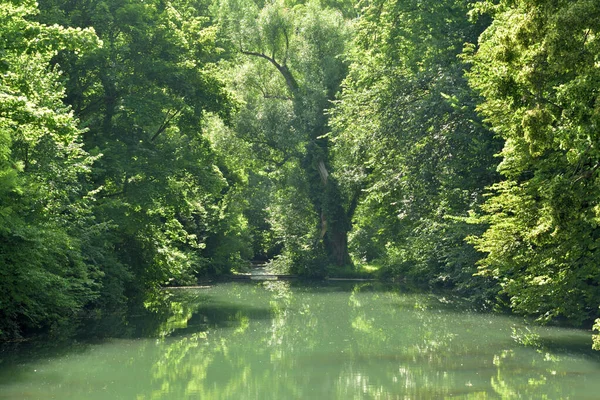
(278, 340)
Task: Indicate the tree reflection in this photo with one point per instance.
(360, 342)
(281, 340)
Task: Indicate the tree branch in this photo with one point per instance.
(282, 68)
(287, 46)
(166, 123)
(585, 37)
(353, 203)
(323, 172)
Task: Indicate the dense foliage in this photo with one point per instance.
(147, 143)
(142, 97)
(287, 68)
(44, 206)
(537, 68)
(407, 135)
(109, 187)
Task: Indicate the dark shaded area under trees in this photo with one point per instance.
(450, 144)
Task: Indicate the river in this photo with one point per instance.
(282, 340)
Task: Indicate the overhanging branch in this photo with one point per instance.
(282, 68)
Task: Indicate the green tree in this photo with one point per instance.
(143, 97)
(537, 68)
(44, 219)
(288, 70)
(408, 138)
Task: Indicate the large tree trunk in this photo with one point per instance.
(337, 247)
(328, 202)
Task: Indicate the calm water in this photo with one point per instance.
(274, 340)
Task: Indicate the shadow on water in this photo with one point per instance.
(220, 315)
(569, 342)
(196, 310)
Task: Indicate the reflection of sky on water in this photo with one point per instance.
(276, 341)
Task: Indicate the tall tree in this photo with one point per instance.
(407, 136)
(537, 68)
(291, 68)
(44, 207)
(143, 97)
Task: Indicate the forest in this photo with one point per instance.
(449, 145)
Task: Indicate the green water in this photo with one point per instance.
(276, 340)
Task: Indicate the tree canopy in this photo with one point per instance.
(151, 143)
(44, 206)
(537, 69)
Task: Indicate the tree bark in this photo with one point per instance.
(338, 245)
(328, 202)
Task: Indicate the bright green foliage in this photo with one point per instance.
(44, 277)
(143, 97)
(537, 67)
(288, 70)
(408, 137)
(249, 192)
